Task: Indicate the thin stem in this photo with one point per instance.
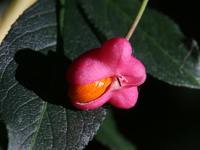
(137, 19)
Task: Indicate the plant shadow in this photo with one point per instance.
(44, 75)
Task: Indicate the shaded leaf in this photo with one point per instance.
(78, 36)
(157, 40)
(109, 135)
(33, 100)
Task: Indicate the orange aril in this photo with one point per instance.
(88, 92)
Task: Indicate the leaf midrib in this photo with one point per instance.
(39, 124)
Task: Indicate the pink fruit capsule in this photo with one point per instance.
(113, 61)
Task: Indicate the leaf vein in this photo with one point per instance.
(40, 121)
(7, 93)
(27, 126)
(31, 31)
(5, 69)
(21, 144)
(22, 106)
(31, 17)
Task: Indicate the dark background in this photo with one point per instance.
(165, 117)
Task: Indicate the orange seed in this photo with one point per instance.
(88, 92)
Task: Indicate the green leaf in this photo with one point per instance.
(109, 135)
(157, 40)
(78, 36)
(33, 100)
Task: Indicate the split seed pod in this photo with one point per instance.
(109, 73)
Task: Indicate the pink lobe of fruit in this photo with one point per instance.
(114, 60)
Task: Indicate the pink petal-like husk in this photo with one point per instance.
(113, 59)
(87, 68)
(115, 51)
(100, 63)
(133, 71)
(125, 98)
(93, 104)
